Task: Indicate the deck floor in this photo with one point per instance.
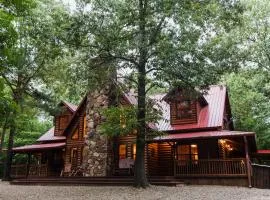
(95, 181)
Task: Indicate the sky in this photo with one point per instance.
(71, 3)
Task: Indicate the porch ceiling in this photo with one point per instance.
(38, 147)
(205, 134)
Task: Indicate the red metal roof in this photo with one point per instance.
(263, 151)
(205, 134)
(49, 136)
(71, 106)
(210, 116)
(83, 101)
(131, 97)
(38, 147)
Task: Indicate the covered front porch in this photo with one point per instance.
(201, 154)
(38, 160)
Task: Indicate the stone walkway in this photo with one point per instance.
(14, 192)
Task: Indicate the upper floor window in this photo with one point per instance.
(183, 109)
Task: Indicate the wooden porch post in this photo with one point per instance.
(28, 164)
(248, 161)
(146, 159)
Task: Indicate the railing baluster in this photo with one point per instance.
(206, 167)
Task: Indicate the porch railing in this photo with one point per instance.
(211, 167)
(20, 171)
(38, 170)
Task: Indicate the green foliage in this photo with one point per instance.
(119, 121)
(182, 39)
(249, 98)
(122, 120)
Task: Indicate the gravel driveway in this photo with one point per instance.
(14, 192)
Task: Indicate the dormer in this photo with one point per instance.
(63, 117)
(185, 106)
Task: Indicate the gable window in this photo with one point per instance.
(183, 109)
(122, 151)
(84, 126)
(187, 152)
(75, 135)
(133, 151)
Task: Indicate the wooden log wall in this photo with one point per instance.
(127, 140)
(165, 159)
(61, 121)
(76, 143)
(152, 159)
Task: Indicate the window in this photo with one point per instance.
(73, 155)
(187, 152)
(84, 126)
(122, 151)
(75, 135)
(183, 109)
(133, 151)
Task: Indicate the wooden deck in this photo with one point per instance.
(95, 181)
(24, 170)
(199, 168)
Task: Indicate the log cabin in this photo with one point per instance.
(197, 141)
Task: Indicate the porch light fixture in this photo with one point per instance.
(222, 141)
(193, 146)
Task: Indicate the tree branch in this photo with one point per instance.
(124, 59)
(8, 83)
(156, 32)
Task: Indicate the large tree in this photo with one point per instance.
(249, 89)
(249, 97)
(153, 43)
(27, 54)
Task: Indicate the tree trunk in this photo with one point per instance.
(8, 162)
(5, 127)
(3, 135)
(140, 175)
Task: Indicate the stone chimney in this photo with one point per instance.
(96, 161)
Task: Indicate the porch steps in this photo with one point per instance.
(94, 181)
